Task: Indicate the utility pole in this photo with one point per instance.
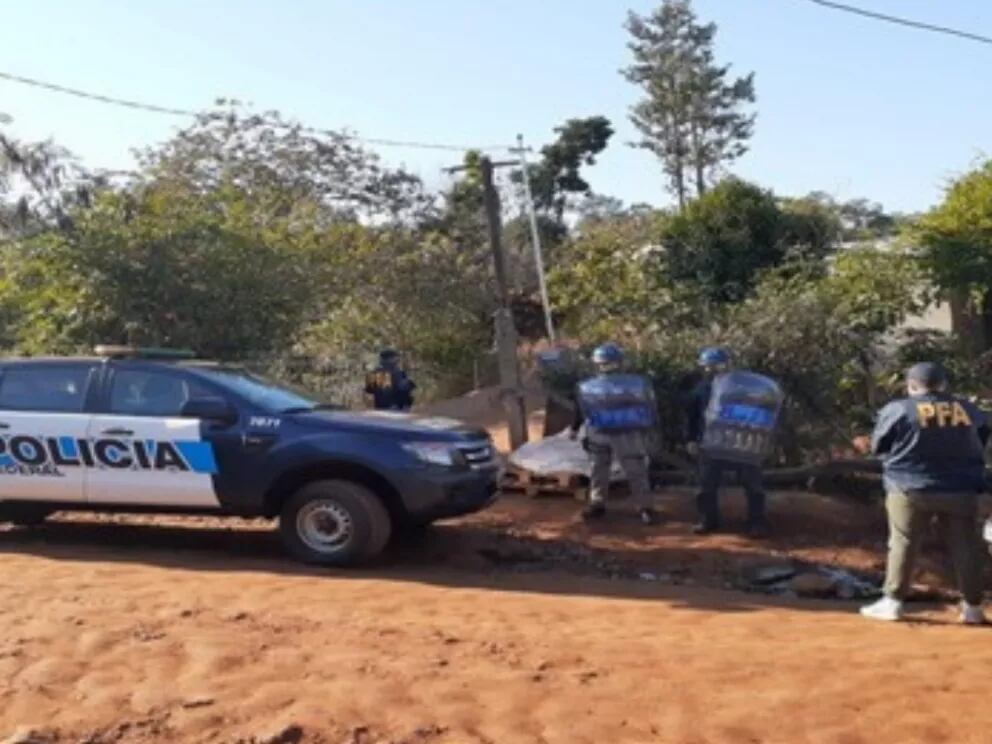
(505, 331)
(535, 238)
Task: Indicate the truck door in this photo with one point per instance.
(43, 427)
(146, 453)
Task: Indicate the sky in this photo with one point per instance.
(846, 105)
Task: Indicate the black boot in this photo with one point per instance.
(758, 528)
(649, 516)
(595, 510)
(705, 527)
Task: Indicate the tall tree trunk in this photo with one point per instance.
(970, 322)
(698, 159)
(679, 160)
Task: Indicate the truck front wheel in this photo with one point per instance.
(334, 523)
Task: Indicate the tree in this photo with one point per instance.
(857, 219)
(430, 302)
(163, 266)
(558, 174)
(956, 248)
(596, 208)
(864, 220)
(39, 184)
(957, 235)
(290, 162)
(612, 282)
(723, 239)
(691, 116)
(811, 227)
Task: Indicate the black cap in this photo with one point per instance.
(929, 374)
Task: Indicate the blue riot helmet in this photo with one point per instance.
(389, 357)
(714, 358)
(607, 356)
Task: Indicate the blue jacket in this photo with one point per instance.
(390, 389)
(932, 442)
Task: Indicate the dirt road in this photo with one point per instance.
(150, 633)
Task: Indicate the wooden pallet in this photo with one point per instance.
(534, 486)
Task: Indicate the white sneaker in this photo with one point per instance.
(886, 608)
(972, 614)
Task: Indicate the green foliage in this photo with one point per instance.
(247, 237)
(864, 220)
(161, 267)
(39, 184)
(970, 375)
(956, 237)
(289, 162)
(723, 239)
(612, 282)
(409, 291)
(875, 290)
(817, 326)
(558, 174)
(810, 228)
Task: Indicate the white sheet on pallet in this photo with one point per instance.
(556, 455)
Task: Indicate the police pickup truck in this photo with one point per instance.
(153, 430)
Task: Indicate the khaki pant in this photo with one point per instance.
(909, 512)
(630, 448)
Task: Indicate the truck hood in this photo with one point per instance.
(400, 425)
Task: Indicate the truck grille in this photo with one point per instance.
(479, 455)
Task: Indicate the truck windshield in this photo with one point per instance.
(270, 396)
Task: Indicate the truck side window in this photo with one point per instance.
(49, 388)
(138, 392)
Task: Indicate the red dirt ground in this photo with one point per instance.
(516, 625)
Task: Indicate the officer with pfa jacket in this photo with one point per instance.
(619, 411)
(732, 416)
(932, 446)
(388, 384)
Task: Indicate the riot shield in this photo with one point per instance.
(616, 403)
(741, 418)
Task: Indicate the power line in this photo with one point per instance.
(903, 21)
(170, 111)
(96, 96)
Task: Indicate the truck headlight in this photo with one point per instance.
(435, 453)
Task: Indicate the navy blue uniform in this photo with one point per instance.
(932, 448)
(699, 398)
(711, 471)
(932, 442)
(390, 388)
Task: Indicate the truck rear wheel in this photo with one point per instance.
(334, 523)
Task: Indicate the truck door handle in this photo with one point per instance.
(4, 425)
(257, 441)
(118, 432)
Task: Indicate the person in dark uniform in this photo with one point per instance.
(932, 446)
(388, 384)
(618, 411)
(715, 361)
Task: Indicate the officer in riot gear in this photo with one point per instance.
(388, 384)
(932, 446)
(619, 411)
(731, 417)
